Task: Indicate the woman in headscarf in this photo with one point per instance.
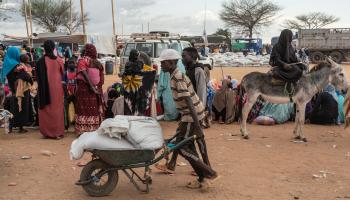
(90, 79)
(325, 110)
(224, 103)
(284, 60)
(12, 71)
(50, 93)
(134, 94)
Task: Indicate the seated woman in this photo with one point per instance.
(224, 103)
(283, 59)
(325, 110)
(280, 113)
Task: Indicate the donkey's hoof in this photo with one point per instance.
(297, 138)
(246, 137)
(242, 132)
(304, 140)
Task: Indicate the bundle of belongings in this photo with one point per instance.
(120, 133)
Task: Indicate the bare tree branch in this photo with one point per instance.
(312, 20)
(249, 15)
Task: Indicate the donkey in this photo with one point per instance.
(257, 84)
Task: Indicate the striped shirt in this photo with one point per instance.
(181, 87)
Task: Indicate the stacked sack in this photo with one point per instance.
(120, 133)
(231, 59)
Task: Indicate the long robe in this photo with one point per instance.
(165, 93)
(51, 116)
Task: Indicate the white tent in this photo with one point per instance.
(104, 44)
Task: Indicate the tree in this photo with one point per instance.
(224, 32)
(312, 20)
(76, 22)
(53, 15)
(249, 15)
(5, 9)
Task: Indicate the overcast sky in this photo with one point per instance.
(185, 17)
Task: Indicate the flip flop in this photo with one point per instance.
(195, 184)
(163, 169)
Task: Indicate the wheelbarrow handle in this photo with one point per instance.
(167, 150)
(183, 142)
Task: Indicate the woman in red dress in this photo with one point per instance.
(89, 105)
(50, 91)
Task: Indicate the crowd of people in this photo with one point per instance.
(54, 89)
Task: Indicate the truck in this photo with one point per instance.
(333, 42)
(246, 44)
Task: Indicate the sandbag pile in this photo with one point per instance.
(120, 133)
(231, 59)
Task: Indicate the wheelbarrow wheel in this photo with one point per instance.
(98, 186)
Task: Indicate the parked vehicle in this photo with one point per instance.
(246, 44)
(333, 42)
(153, 45)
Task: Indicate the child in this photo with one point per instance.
(70, 80)
(114, 92)
(24, 79)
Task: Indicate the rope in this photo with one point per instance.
(291, 92)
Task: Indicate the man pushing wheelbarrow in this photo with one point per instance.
(192, 111)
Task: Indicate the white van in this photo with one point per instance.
(153, 48)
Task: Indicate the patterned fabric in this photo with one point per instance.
(181, 87)
(347, 109)
(89, 109)
(132, 83)
(254, 112)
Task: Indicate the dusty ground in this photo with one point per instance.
(267, 167)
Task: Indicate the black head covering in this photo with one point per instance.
(43, 82)
(49, 47)
(284, 44)
(134, 54)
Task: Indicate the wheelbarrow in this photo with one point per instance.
(100, 176)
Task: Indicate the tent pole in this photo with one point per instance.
(115, 37)
(31, 22)
(26, 19)
(82, 19)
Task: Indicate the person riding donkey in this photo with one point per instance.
(287, 70)
(192, 111)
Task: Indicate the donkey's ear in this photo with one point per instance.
(331, 61)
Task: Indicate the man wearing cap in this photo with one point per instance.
(192, 111)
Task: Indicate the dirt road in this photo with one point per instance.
(267, 167)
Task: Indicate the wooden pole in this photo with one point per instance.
(26, 19)
(114, 37)
(112, 2)
(30, 22)
(122, 29)
(70, 17)
(82, 18)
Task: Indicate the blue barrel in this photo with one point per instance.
(109, 67)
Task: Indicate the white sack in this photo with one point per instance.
(114, 128)
(144, 132)
(93, 140)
